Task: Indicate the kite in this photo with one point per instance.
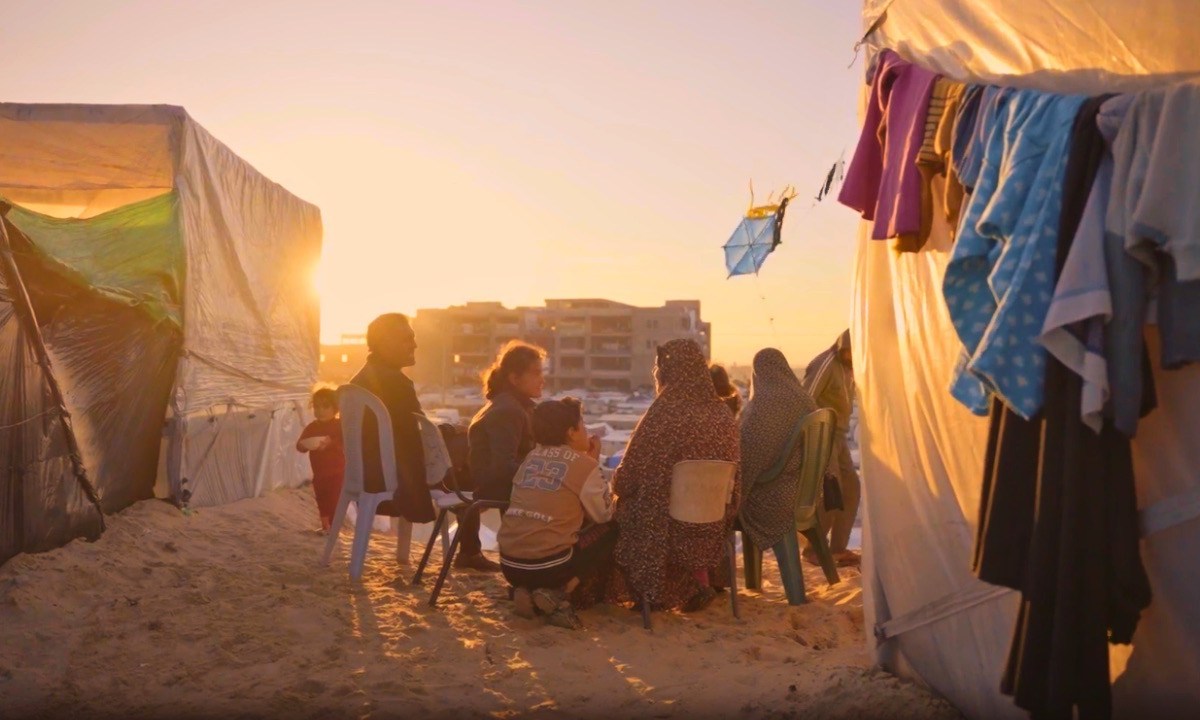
(756, 236)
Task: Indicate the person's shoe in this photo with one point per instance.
(810, 557)
(565, 617)
(702, 599)
(548, 601)
(476, 562)
(523, 603)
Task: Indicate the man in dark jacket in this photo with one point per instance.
(393, 345)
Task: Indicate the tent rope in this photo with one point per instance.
(870, 30)
(31, 418)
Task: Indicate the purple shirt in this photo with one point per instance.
(883, 182)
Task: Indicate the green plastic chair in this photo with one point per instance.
(814, 435)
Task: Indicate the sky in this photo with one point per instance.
(505, 151)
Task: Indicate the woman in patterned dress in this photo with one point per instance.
(777, 402)
(660, 558)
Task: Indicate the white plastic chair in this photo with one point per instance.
(437, 464)
(453, 500)
(353, 403)
(701, 491)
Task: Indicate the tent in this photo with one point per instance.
(159, 333)
(922, 452)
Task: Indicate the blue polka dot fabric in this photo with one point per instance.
(1000, 279)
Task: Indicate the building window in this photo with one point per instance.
(345, 358)
(322, 357)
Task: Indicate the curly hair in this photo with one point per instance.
(515, 357)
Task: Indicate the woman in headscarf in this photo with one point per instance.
(661, 559)
(830, 380)
(777, 403)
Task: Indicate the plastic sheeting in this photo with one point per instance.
(173, 283)
(922, 452)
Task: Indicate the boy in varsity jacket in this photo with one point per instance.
(556, 492)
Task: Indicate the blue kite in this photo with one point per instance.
(755, 238)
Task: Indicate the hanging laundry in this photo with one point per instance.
(882, 182)
(963, 130)
(1076, 324)
(999, 282)
(1154, 160)
(1157, 167)
(1058, 517)
(933, 159)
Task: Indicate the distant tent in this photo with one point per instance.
(168, 285)
(923, 453)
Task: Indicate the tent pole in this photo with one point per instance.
(24, 308)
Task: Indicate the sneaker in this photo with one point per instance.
(565, 617)
(523, 603)
(548, 601)
(476, 562)
(702, 599)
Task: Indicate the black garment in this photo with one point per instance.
(590, 553)
(1058, 518)
(456, 445)
(501, 435)
(412, 500)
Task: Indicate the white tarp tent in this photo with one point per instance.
(922, 452)
(239, 297)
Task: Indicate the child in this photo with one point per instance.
(557, 489)
(322, 440)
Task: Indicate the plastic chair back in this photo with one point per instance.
(437, 455)
(701, 490)
(354, 403)
(817, 433)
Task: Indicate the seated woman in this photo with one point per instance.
(499, 438)
(777, 403)
(660, 559)
(556, 491)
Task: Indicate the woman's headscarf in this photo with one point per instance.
(686, 422)
(777, 403)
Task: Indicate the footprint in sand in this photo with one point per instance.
(312, 686)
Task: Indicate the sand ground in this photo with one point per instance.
(227, 613)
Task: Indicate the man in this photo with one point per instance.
(392, 347)
(829, 378)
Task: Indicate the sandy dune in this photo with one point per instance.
(226, 613)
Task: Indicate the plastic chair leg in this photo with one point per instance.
(733, 588)
(362, 535)
(439, 523)
(751, 563)
(817, 540)
(335, 529)
(646, 613)
(449, 558)
(403, 530)
(787, 555)
(445, 538)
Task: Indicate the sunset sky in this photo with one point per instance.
(506, 151)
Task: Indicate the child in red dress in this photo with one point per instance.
(322, 440)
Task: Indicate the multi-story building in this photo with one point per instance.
(591, 344)
(341, 362)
